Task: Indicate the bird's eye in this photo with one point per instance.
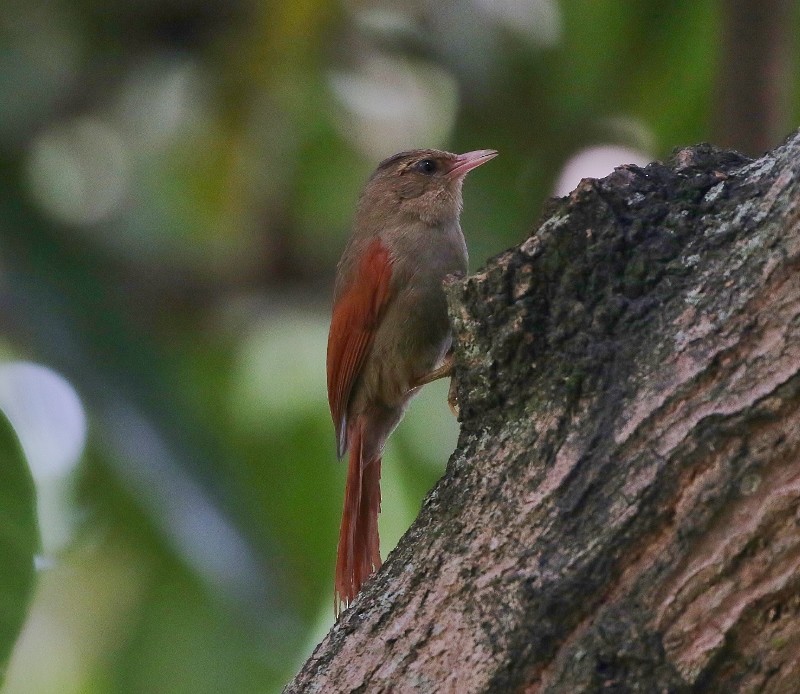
(426, 166)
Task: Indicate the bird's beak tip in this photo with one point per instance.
(464, 163)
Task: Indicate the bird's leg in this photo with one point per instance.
(442, 371)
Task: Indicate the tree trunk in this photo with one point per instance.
(622, 512)
(756, 75)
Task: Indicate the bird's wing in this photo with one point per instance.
(356, 315)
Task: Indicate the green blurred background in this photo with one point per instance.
(177, 180)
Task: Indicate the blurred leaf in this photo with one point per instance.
(18, 539)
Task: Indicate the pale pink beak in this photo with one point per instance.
(464, 163)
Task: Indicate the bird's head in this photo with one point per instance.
(422, 184)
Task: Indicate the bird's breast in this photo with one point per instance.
(415, 331)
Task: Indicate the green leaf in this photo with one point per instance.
(19, 540)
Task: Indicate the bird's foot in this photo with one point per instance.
(442, 371)
(452, 398)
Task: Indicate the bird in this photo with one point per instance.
(390, 332)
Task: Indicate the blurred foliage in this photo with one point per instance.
(176, 184)
(19, 539)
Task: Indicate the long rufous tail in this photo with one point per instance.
(359, 554)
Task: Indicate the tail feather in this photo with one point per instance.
(359, 544)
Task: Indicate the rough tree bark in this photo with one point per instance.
(622, 512)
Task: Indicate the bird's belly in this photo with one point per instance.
(413, 339)
(414, 333)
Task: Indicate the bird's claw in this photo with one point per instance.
(443, 371)
(452, 398)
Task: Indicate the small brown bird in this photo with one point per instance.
(390, 330)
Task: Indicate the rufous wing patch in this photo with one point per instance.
(356, 317)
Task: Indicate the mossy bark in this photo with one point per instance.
(622, 512)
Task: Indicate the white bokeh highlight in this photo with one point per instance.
(50, 423)
(538, 21)
(79, 172)
(392, 104)
(596, 162)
